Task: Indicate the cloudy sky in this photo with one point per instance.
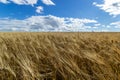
(60, 15)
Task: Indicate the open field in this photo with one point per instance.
(59, 56)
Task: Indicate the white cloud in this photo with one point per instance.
(4, 1)
(104, 30)
(20, 2)
(39, 9)
(12, 24)
(27, 2)
(46, 23)
(48, 2)
(110, 6)
(98, 24)
(115, 24)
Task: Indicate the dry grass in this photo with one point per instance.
(59, 56)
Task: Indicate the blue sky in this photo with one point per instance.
(59, 15)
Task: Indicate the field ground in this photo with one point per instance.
(59, 56)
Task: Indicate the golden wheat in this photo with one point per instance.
(59, 56)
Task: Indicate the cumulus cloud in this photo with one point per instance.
(110, 6)
(98, 24)
(20, 2)
(27, 2)
(39, 9)
(46, 23)
(48, 2)
(53, 23)
(4, 1)
(13, 25)
(115, 24)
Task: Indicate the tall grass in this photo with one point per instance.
(59, 56)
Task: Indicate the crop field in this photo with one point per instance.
(59, 56)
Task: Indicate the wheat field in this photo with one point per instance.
(59, 56)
